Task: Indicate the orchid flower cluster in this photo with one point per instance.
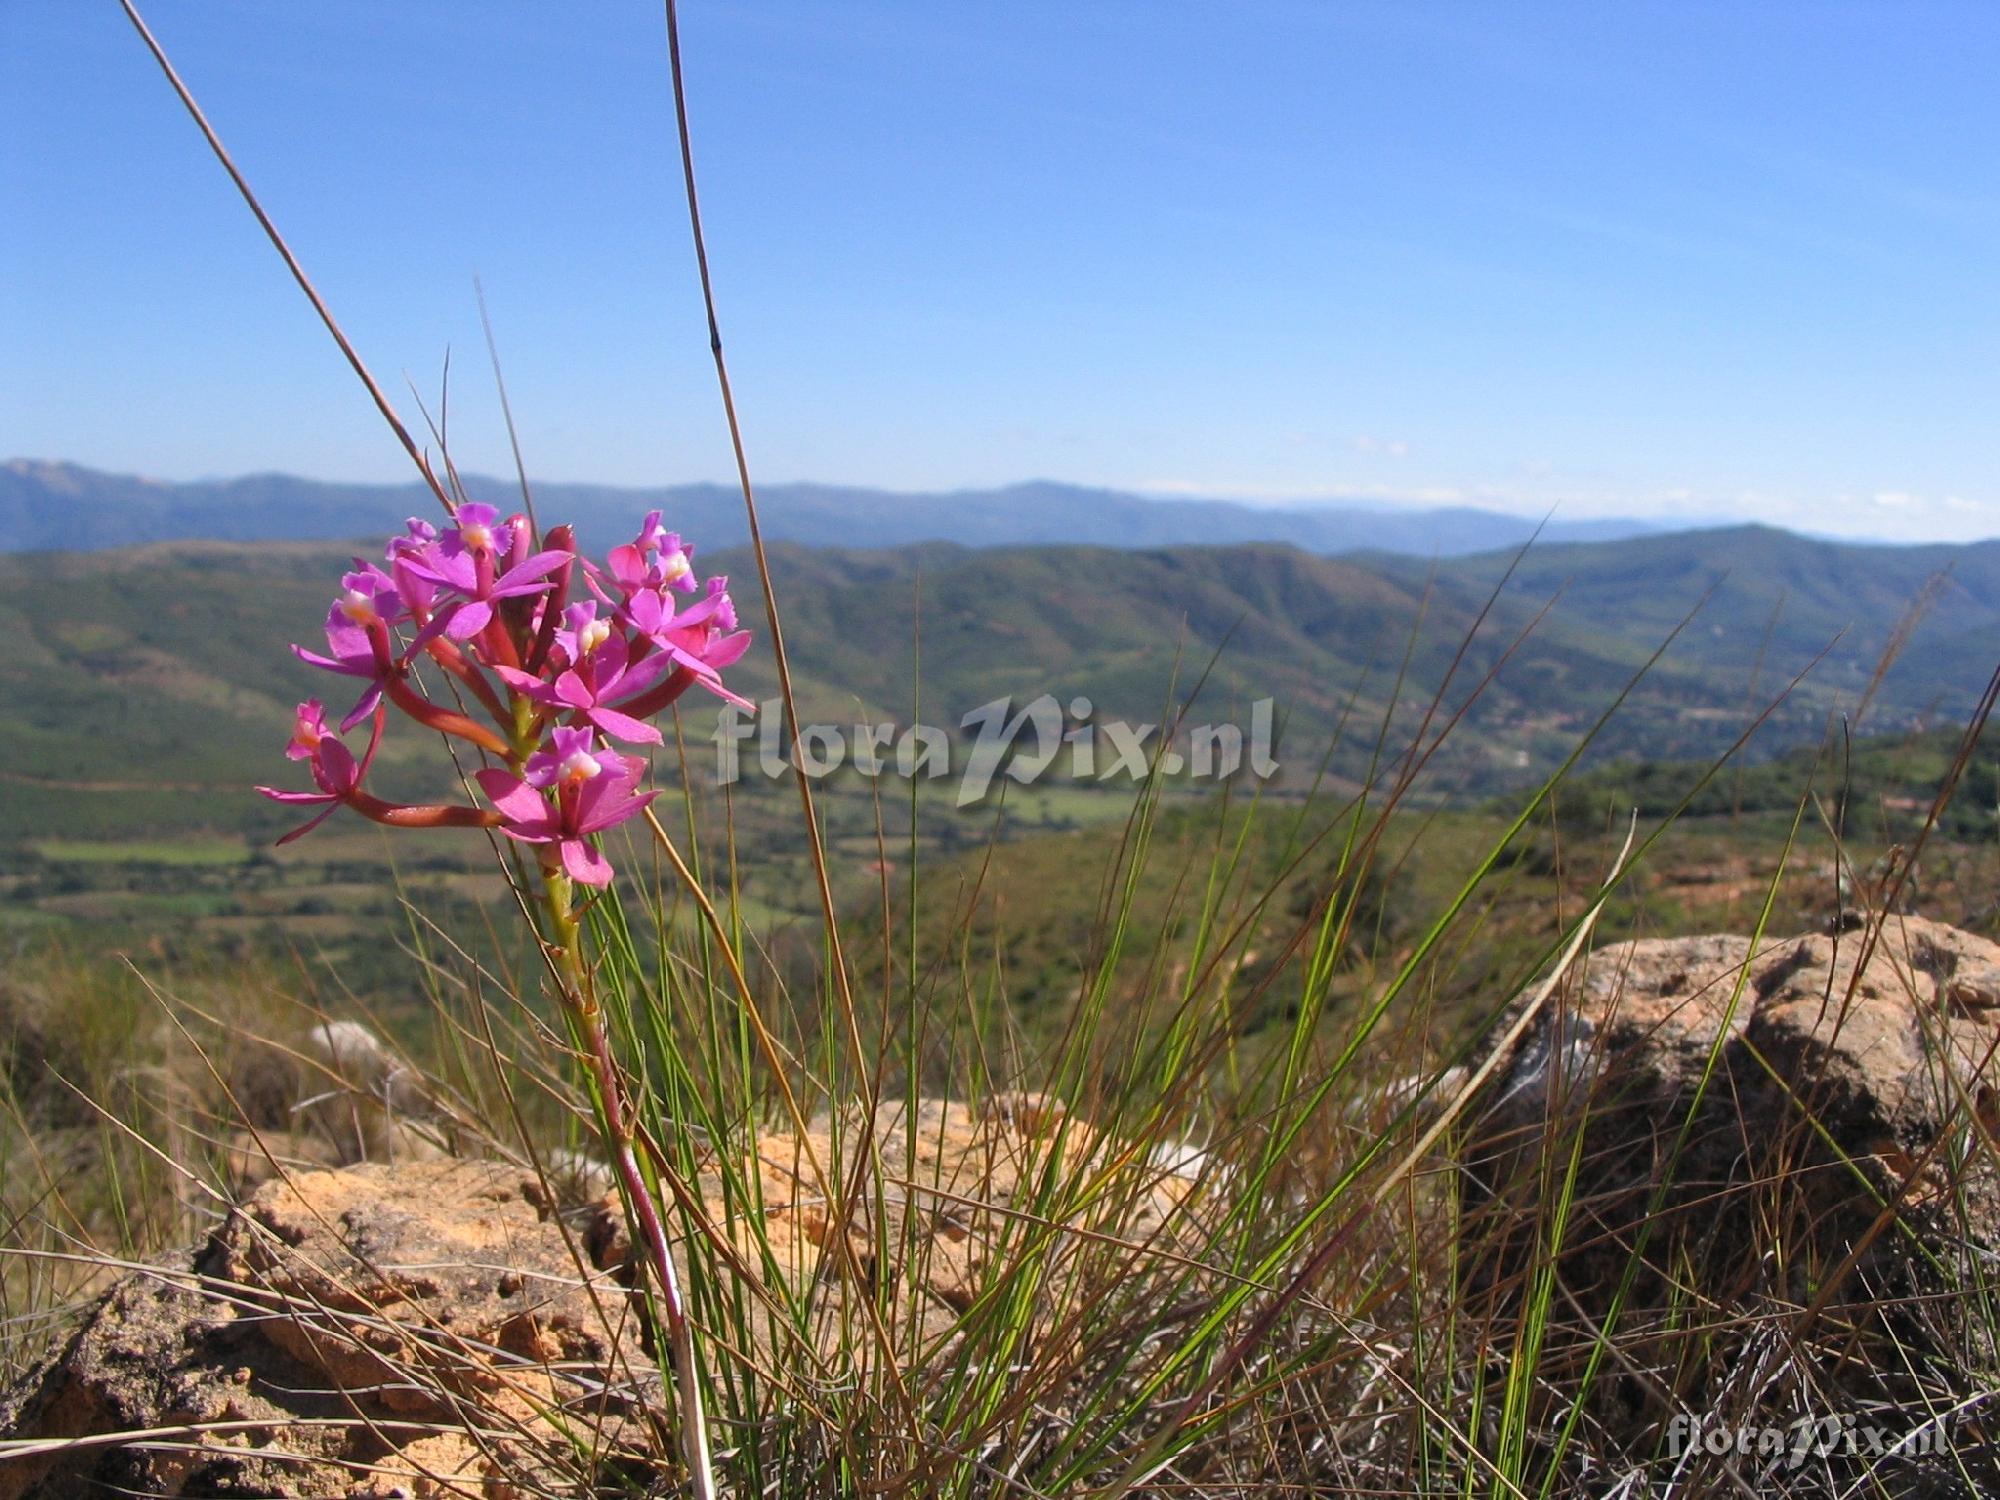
(563, 658)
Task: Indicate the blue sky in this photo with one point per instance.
(1681, 260)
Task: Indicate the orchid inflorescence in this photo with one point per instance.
(560, 670)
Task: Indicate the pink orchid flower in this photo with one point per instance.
(694, 637)
(333, 766)
(368, 597)
(582, 631)
(463, 561)
(542, 683)
(600, 683)
(338, 776)
(587, 791)
(655, 559)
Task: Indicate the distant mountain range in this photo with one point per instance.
(65, 507)
(138, 672)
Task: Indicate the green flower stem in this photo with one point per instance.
(615, 1121)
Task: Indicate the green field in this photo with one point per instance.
(194, 851)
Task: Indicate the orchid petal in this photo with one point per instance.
(435, 626)
(585, 865)
(363, 707)
(608, 800)
(628, 566)
(623, 726)
(307, 827)
(468, 619)
(698, 612)
(524, 578)
(454, 570)
(334, 767)
(374, 741)
(301, 798)
(634, 681)
(328, 664)
(725, 650)
(523, 682)
(714, 685)
(520, 804)
(522, 834)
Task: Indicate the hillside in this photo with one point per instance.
(1774, 600)
(141, 671)
(58, 506)
(146, 687)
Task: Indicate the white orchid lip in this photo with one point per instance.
(359, 607)
(593, 635)
(477, 536)
(579, 766)
(674, 565)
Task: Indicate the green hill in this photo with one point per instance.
(145, 688)
(1775, 600)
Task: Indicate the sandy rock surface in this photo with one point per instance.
(438, 1328)
(415, 1329)
(1849, 1116)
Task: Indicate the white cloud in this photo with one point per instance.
(1368, 443)
(1860, 514)
(1356, 491)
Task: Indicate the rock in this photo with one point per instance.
(955, 1186)
(423, 1328)
(1837, 1174)
(343, 1334)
